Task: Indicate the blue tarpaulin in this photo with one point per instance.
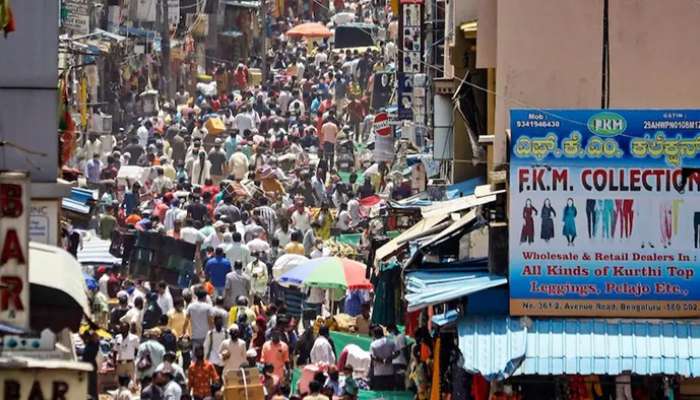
(426, 288)
(499, 347)
(464, 188)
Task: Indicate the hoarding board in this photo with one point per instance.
(14, 249)
(605, 213)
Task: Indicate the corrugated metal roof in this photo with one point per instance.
(499, 347)
(96, 251)
(425, 288)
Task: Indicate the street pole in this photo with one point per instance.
(263, 19)
(165, 49)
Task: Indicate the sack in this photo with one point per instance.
(144, 361)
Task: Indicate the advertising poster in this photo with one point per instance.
(14, 249)
(383, 138)
(605, 213)
(77, 16)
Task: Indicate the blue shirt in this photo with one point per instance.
(217, 268)
(92, 170)
(353, 303)
(130, 202)
(230, 146)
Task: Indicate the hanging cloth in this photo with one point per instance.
(7, 21)
(435, 385)
(385, 289)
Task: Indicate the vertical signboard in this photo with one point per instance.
(77, 16)
(14, 249)
(383, 138)
(43, 222)
(410, 54)
(605, 213)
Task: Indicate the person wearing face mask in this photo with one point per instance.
(232, 351)
(257, 270)
(276, 352)
(212, 343)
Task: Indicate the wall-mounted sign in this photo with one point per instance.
(14, 249)
(604, 213)
(43, 222)
(383, 138)
(76, 16)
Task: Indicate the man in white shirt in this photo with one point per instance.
(354, 210)
(232, 351)
(212, 343)
(134, 317)
(199, 131)
(103, 282)
(344, 220)
(125, 346)
(283, 99)
(192, 235)
(322, 351)
(238, 164)
(320, 57)
(165, 299)
(238, 251)
(301, 219)
(142, 133)
(244, 120)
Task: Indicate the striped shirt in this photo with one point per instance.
(267, 218)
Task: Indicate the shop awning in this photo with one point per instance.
(499, 347)
(58, 292)
(96, 251)
(468, 220)
(421, 228)
(243, 4)
(426, 288)
(457, 205)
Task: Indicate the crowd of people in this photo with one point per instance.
(272, 183)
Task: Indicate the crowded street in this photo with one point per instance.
(349, 200)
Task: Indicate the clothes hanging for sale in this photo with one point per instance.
(480, 388)
(435, 385)
(387, 283)
(7, 21)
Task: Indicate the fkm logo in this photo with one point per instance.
(607, 124)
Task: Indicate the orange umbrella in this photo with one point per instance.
(309, 29)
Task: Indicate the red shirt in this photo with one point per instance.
(200, 377)
(159, 211)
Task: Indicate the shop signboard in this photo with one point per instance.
(383, 138)
(14, 249)
(43, 221)
(604, 213)
(77, 16)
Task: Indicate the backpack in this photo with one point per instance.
(144, 361)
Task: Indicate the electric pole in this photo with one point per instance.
(165, 49)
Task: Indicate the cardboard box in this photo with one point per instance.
(240, 392)
(242, 377)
